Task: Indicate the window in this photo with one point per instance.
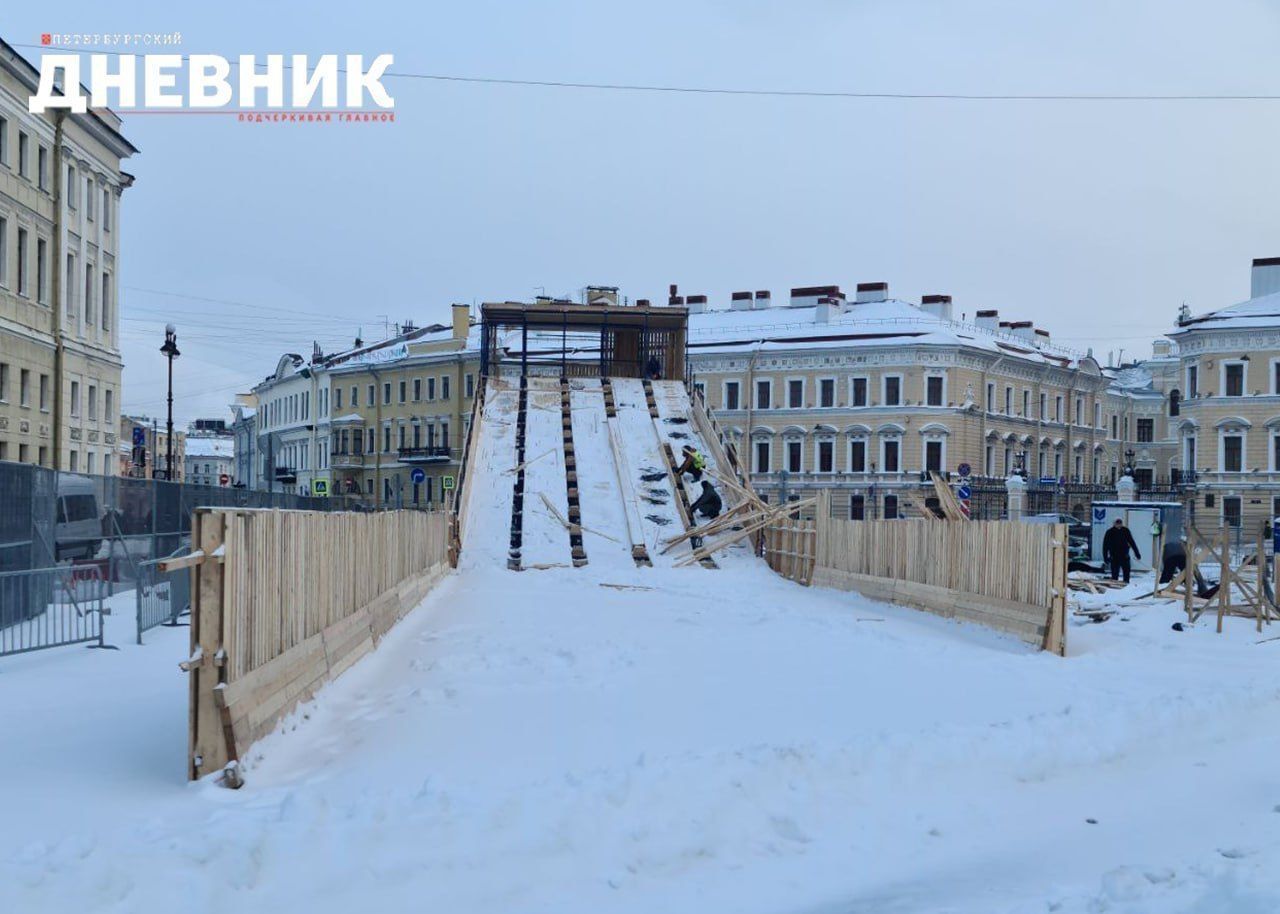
(1097, 415)
(1233, 379)
(386, 439)
(471, 386)
(857, 507)
(731, 390)
(22, 262)
(24, 387)
(337, 398)
(889, 455)
(826, 456)
(42, 168)
(1026, 403)
(372, 392)
(106, 209)
(4, 141)
(71, 287)
(93, 403)
(1044, 407)
(795, 457)
(444, 434)
(1146, 430)
(1232, 453)
(71, 186)
(1115, 426)
(386, 393)
(891, 507)
(857, 455)
(4, 383)
(858, 396)
(88, 295)
(401, 443)
(1193, 381)
(431, 388)
(404, 391)
(1057, 409)
(1175, 402)
(1231, 510)
(108, 405)
(44, 393)
(795, 394)
(933, 456)
(42, 270)
(75, 398)
(989, 461)
(991, 397)
(444, 387)
(1008, 401)
(75, 468)
(4, 251)
(1079, 410)
(417, 389)
(892, 390)
(24, 155)
(827, 393)
(764, 394)
(933, 390)
(1275, 454)
(762, 457)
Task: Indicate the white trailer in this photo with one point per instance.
(1152, 524)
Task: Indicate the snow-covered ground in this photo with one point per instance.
(697, 740)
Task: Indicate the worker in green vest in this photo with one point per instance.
(694, 463)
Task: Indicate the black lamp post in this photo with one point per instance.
(1128, 462)
(170, 350)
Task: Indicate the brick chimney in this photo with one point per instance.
(987, 320)
(696, 303)
(868, 292)
(1266, 277)
(807, 296)
(741, 301)
(937, 305)
(461, 321)
(763, 299)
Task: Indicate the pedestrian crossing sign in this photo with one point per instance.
(446, 482)
(320, 487)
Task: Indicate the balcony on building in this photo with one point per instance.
(341, 459)
(286, 474)
(429, 454)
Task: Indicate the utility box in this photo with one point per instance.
(1152, 523)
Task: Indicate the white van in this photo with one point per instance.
(78, 531)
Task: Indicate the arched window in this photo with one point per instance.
(1175, 402)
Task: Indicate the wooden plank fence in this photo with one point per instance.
(285, 601)
(1007, 575)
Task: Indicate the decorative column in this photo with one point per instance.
(1126, 488)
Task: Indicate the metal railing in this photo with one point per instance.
(162, 597)
(51, 607)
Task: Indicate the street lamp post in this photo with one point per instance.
(170, 350)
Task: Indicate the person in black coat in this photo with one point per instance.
(1115, 549)
(708, 503)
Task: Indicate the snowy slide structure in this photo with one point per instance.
(489, 478)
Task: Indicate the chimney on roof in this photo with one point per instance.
(871, 292)
(461, 321)
(740, 301)
(696, 303)
(602, 295)
(987, 320)
(642, 302)
(937, 305)
(1161, 348)
(822, 312)
(1041, 337)
(673, 292)
(1023, 330)
(1266, 276)
(807, 296)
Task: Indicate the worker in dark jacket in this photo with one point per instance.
(708, 503)
(694, 463)
(1115, 549)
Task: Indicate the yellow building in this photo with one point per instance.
(60, 365)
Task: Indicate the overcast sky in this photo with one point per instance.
(1095, 220)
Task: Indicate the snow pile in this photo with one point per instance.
(685, 740)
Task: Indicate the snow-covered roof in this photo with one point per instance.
(1263, 311)
(210, 446)
(863, 324)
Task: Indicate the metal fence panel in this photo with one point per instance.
(50, 607)
(163, 597)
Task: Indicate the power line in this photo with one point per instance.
(767, 93)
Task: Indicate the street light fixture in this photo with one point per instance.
(170, 350)
(1128, 462)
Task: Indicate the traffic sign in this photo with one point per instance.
(963, 470)
(139, 436)
(320, 487)
(417, 474)
(223, 479)
(446, 482)
(963, 492)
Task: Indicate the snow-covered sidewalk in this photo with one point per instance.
(690, 740)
